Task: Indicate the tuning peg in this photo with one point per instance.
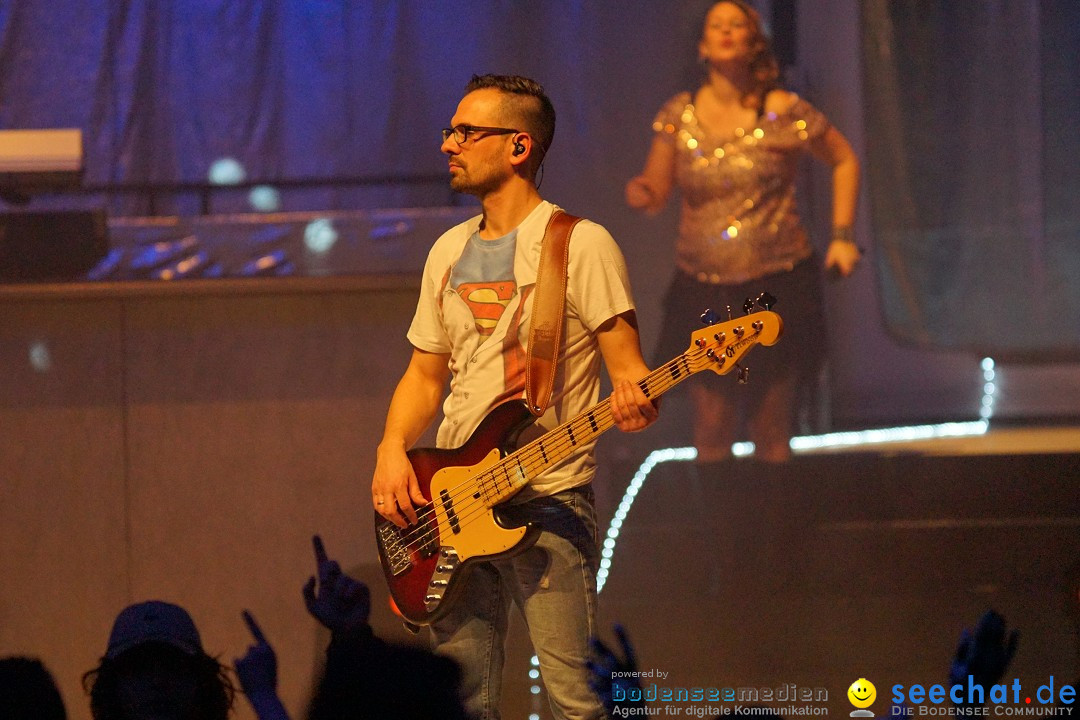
(709, 317)
(742, 374)
(728, 311)
(766, 300)
(748, 306)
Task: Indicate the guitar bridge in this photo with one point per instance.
(393, 549)
(398, 551)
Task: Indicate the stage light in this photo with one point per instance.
(320, 235)
(226, 171)
(742, 449)
(265, 198)
(40, 357)
(986, 408)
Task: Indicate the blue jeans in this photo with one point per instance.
(554, 585)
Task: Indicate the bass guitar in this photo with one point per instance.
(425, 563)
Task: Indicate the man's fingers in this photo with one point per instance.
(628, 649)
(320, 550)
(415, 494)
(630, 408)
(256, 631)
(405, 505)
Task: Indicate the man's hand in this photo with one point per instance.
(395, 492)
(257, 672)
(842, 257)
(985, 653)
(630, 408)
(340, 603)
(619, 344)
(611, 676)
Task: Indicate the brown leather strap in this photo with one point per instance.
(548, 308)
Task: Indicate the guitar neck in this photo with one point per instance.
(514, 471)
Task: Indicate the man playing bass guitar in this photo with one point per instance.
(472, 327)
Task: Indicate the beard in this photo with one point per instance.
(479, 181)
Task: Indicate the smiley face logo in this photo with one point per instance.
(862, 693)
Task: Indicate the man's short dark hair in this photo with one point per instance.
(527, 103)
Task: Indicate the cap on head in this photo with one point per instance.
(153, 621)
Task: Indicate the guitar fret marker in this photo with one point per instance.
(570, 432)
(543, 453)
(592, 421)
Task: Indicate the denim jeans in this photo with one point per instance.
(554, 585)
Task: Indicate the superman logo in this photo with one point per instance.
(487, 300)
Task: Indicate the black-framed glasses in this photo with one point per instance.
(462, 133)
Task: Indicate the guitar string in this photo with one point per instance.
(465, 512)
(468, 508)
(532, 457)
(526, 457)
(468, 512)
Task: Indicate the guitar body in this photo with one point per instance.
(425, 564)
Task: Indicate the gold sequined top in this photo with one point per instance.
(739, 218)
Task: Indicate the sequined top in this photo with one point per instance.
(739, 217)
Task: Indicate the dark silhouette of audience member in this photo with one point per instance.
(984, 654)
(155, 668)
(28, 691)
(365, 677)
(257, 673)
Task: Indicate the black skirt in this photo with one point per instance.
(802, 346)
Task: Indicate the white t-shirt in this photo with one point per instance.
(487, 370)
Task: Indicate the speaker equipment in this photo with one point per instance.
(519, 148)
(51, 246)
(34, 159)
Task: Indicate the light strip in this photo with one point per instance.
(799, 444)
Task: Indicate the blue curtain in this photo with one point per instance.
(304, 89)
(972, 163)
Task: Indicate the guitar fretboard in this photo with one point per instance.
(509, 475)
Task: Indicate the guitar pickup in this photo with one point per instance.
(451, 514)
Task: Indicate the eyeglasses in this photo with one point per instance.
(461, 133)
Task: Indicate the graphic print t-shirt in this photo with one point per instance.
(484, 278)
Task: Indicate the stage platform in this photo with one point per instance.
(843, 565)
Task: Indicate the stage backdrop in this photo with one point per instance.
(971, 113)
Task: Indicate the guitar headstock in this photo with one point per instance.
(718, 347)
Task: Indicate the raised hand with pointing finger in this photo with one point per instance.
(257, 672)
(339, 602)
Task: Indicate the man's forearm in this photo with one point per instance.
(414, 405)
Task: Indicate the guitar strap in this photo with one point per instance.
(548, 308)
